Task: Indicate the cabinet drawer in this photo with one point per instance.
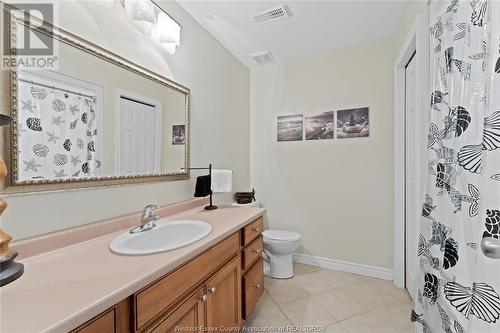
(252, 251)
(253, 283)
(105, 323)
(253, 230)
(154, 299)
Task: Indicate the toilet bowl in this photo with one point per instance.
(279, 245)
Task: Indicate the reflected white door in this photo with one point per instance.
(411, 196)
(137, 134)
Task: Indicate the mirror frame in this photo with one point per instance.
(9, 80)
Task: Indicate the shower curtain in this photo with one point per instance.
(458, 286)
(57, 133)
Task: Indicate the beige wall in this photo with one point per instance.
(336, 193)
(415, 7)
(220, 115)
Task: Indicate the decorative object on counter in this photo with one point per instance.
(5, 120)
(245, 197)
(320, 126)
(178, 134)
(290, 128)
(9, 269)
(353, 123)
(219, 181)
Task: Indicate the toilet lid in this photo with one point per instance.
(281, 235)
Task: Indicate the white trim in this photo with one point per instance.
(344, 266)
(414, 41)
(158, 125)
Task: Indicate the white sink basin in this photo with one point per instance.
(166, 236)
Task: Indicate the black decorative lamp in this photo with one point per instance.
(9, 269)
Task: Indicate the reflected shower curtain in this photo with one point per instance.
(57, 133)
(458, 288)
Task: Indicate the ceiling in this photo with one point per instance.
(315, 27)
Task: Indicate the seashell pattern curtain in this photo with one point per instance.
(57, 134)
(458, 288)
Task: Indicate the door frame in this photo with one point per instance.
(157, 105)
(415, 43)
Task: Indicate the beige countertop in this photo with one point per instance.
(61, 290)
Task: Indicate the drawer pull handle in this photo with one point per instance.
(257, 251)
(204, 298)
(212, 290)
(257, 285)
(257, 229)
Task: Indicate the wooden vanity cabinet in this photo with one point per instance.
(155, 299)
(253, 287)
(252, 252)
(224, 297)
(252, 265)
(252, 230)
(104, 323)
(189, 317)
(216, 289)
(114, 320)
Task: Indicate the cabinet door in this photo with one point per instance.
(190, 316)
(105, 323)
(224, 298)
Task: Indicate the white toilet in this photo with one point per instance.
(279, 245)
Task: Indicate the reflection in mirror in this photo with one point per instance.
(59, 127)
(95, 117)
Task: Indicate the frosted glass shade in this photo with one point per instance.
(140, 10)
(170, 47)
(167, 30)
(106, 3)
(146, 28)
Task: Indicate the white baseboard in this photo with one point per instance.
(344, 266)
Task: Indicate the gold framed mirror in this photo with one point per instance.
(96, 119)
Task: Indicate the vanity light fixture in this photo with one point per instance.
(140, 10)
(142, 15)
(106, 3)
(168, 32)
(151, 20)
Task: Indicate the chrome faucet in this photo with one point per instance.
(147, 221)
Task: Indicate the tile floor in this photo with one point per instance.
(341, 302)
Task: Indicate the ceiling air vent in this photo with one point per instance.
(271, 15)
(263, 58)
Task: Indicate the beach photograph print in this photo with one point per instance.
(290, 128)
(319, 127)
(353, 123)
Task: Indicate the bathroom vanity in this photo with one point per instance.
(73, 282)
(216, 289)
(213, 283)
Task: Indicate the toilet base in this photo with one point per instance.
(278, 266)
